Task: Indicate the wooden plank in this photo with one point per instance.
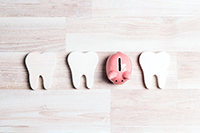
(156, 129)
(113, 8)
(141, 108)
(14, 75)
(133, 34)
(46, 8)
(188, 70)
(32, 34)
(70, 107)
(55, 129)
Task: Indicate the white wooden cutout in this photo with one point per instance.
(154, 64)
(83, 64)
(40, 65)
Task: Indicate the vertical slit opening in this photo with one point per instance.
(119, 64)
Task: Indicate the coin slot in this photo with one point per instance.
(119, 64)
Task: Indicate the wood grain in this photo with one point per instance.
(164, 129)
(32, 34)
(133, 34)
(154, 108)
(55, 129)
(46, 8)
(119, 8)
(188, 70)
(25, 107)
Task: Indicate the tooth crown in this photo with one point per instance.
(154, 64)
(118, 68)
(83, 64)
(40, 65)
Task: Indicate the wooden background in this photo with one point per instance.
(135, 26)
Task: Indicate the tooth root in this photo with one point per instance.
(161, 80)
(90, 69)
(148, 80)
(40, 65)
(76, 79)
(33, 79)
(82, 64)
(47, 79)
(89, 79)
(154, 64)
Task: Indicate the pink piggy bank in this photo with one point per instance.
(118, 68)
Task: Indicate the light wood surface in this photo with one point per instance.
(167, 33)
(26, 34)
(113, 8)
(61, 26)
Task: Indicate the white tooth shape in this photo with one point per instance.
(83, 64)
(40, 65)
(154, 64)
